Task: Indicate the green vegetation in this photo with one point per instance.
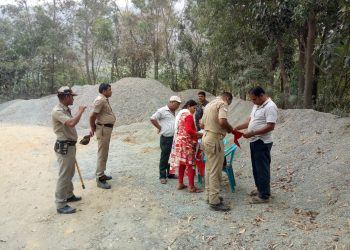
(297, 50)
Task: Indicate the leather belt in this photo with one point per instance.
(70, 143)
(109, 125)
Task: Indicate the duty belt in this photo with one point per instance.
(70, 143)
(109, 125)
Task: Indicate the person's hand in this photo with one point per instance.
(82, 109)
(92, 131)
(159, 129)
(199, 134)
(248, 134)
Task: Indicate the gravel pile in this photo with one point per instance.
(310, 178)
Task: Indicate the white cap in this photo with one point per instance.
(175, 98)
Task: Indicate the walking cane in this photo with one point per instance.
(81, 178)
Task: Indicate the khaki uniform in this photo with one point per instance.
(213, 147)
(64, 188)
(104, 125)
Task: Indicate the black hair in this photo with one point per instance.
(227, 94)
(201, 93)
(189, 103)
(257, 91)
(62, 96)
(103, 87)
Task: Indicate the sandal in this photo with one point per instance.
(181, 186)
(194, 190)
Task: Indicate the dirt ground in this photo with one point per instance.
(140, 213)
(310, 181)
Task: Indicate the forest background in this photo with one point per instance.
(297, 49)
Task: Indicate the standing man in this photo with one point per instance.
(164, 121)
(260, 124)
(216, 126)
(102, 120)
(202, 102)
(64, 127)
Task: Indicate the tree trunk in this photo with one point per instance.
(301, 64)
(284, 78)
(93, 66)
(310, 64)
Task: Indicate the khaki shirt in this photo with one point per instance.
(103, 110)
(60, 114)
(215, 110)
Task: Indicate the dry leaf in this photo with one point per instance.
(283, 234)
(241, 231)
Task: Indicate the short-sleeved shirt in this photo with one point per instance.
(103, 110)
(166, 119)
(215, 110)
(60, 114)
(260, 116)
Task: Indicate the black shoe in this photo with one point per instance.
(172, 176)
(66, 210)
(105, 178)
(74, 198)
(220, 198)
(219, 207)
(103, 184)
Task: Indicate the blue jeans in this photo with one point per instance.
(261, 159)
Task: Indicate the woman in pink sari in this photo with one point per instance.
(182, 154)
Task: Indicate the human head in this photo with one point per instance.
(257, 95)
(191, 105)
(174, 102)
(105, 89)
(201, 96)
(227, 97)
(65, 95)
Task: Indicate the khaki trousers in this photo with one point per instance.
(213, 148)
(103, 135)
(64, 187)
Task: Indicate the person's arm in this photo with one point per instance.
(92, 121)
(156, 124)
(269, 127)
(75, 119)
(243, 125)
(225, 125)
(189, 124)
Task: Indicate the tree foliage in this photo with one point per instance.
(297, 50)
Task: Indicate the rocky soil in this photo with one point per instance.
(310, 183)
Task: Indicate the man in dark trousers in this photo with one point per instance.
(202, 102)
(260, 125)
(164, 121)
(64, 127)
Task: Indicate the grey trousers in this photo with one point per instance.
(64, 187)
(103, 135)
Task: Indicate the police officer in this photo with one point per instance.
(102, 120)
(215, 126)
(64, 128)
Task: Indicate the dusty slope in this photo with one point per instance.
(310, 176)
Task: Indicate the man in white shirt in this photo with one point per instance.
(164, 121)
(260, 124)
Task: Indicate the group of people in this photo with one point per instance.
(179, 134)
(101, 120)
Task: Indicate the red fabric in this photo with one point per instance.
(237, 134)
(182, 169)
(190, 174)
(200, 163)
(183, 148)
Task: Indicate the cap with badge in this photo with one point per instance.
(175, 98)
(65, 90)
